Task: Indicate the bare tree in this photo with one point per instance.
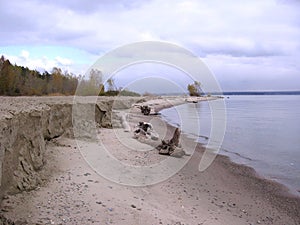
(111, 84)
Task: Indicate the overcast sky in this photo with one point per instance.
(248, 45)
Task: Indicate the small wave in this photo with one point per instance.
(237, 154)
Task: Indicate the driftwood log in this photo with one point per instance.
(145, 110)
(169, 146)
(144, 129)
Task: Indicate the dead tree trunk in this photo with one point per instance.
(175, 138)
(168, 147)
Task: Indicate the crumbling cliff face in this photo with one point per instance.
(26, 124)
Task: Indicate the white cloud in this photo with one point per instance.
(40, 63)
(24, 54)
(63, 61)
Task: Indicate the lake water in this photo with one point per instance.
(261, 131)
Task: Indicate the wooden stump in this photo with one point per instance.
(175, 138)
(168, 147)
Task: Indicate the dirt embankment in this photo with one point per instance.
(27, 123)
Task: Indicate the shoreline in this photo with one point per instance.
(286, 188)
(234, 157)
(274, 191)
(225, 193)
(226, 153)
(270, 191)
(278, 194)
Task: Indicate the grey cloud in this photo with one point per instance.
(107, 24)
(238, 51)
(92, 6)
(13, 20)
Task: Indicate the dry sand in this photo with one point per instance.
(74, 193)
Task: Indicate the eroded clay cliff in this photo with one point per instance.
(27, 123)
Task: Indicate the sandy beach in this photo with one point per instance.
(71, 190)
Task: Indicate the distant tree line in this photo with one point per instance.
(18, 80)
(21, 81)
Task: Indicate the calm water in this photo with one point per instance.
(261, 131)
